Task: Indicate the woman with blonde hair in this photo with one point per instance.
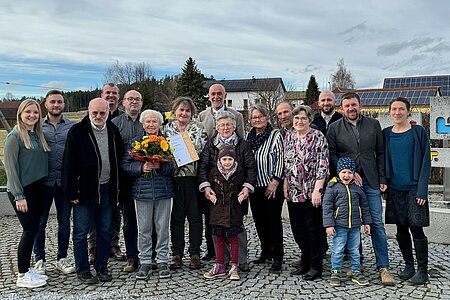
(26, 165)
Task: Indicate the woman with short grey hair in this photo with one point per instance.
(306, 109)
(152, 199)
(225, 115)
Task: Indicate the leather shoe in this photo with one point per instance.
(131, 265)
(300, 270)
(195, 262)
(276, 267)
(91, 255)
(103, 274)
(208, 256)
(116, 253)
(312, 275)
(176, 262)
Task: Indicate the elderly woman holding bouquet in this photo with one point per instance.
(148, 163)
(186, 202)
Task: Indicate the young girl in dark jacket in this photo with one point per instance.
(226, 179)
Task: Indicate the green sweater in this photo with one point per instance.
(23, 166)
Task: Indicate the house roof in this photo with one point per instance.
(9, 109)
(248, 85)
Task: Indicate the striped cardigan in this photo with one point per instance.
(269, 159)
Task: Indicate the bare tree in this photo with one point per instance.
(128, 73)
(270, 92)
(343, 78)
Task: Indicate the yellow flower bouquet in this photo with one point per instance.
(152, 149)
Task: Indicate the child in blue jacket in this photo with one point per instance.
(345, 209)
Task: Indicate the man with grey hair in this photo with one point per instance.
(90, 181)
(130, 128)
(110, 93)
(217, 96)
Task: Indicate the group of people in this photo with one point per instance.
(330, 168)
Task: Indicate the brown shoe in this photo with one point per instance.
(91, 255)
(131, 265)
(195, 262)
(176, 262)
(116, 253)
(386, 277)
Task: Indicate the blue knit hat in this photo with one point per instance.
(346, 163)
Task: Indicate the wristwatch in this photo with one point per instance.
(319, 190)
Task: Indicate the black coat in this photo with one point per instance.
(244, 157)
(368, 153)
(227, 211)
(320, 123)
(82, 163)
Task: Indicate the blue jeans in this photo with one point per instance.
(377, 232)
(63, 211)
(351, 237)
(101, 215)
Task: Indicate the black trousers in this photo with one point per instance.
(267, 216)
(308, 232)
(206, 211)
(130, 230)
(186, 204)
(34, 194)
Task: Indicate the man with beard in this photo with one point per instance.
(55, 128)
(284, 114)
(90, 181)
(360, 137)
(110, 93)
(327, 114)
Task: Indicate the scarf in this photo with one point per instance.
(227, 174)
(231, 140)
(256, 140)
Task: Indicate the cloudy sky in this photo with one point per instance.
(69, 44)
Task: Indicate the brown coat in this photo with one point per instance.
(227, 211)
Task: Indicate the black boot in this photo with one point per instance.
(405, 244)
(421, 275)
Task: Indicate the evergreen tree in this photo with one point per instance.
(190, 84)
(312, 92)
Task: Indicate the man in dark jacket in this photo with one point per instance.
(361, 138)
(90, 170)
(327, 114)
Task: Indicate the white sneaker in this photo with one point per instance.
(37, 275)
(29, 280)
(40, 267)
(64, 266)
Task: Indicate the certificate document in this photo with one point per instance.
(183, 149)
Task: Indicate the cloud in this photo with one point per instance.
(57, 85)
(393, 48)
(358, 28)
(440, 48)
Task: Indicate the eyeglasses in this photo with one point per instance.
(302, 119)
(258, 118)
(132, 99)
(223, 125)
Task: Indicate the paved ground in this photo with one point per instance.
(186, 284)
